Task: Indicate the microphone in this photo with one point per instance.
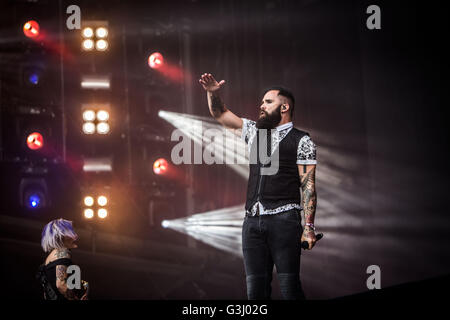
(305, 244)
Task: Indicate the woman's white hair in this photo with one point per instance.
(54, 233)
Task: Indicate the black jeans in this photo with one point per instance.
(268, 240)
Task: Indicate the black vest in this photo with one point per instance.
(283, 187)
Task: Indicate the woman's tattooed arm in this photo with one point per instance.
(61, 283)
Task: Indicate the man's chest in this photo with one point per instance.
(267, 139)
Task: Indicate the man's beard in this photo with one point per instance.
(269, 121)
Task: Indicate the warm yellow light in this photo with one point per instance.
(88, 201)
(101, 32)
(102, 213)
(88, 213)
(102, 115)
(88, 44)
(88, 32)
(102, 201)
(88, 115)
(88, 127)
(102, 127)
(101, 45)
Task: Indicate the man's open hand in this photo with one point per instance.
(209, 83)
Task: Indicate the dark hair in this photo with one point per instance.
(282, 91)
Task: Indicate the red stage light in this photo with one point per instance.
(155, 60)
(31, 29)
(160, 166)
(35, 141)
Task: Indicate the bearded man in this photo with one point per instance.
(272, 232)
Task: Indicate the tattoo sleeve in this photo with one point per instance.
(61, 275)
(309, 196)
(216, 105)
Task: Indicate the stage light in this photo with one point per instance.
(220, 228)
(160, 166)
(35, 141)
(95, 82)
(88, 127)
(101, 45)
(102, 201)
(155, 60)
(88, 45)
(34, 201)
(33, 193)
(88, 32)
(98, 39)
(96, 118)
(102, 213)
(228, 147)
(97, 165)
(88, 213)
(102, 128)
(31, 29)
(102, 115)
(89, 201)
(33, 78)
(32, 75)
(96, 202)
(101, 32)
(88, 115)
(165, 224)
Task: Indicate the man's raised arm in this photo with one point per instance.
(216, 106)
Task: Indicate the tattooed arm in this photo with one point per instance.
(309, 200)
(216, 105)
(61, 276)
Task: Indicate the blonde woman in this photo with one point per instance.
(58, 238)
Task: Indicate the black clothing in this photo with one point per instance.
(274, 239)
(46, 275)
(283, 187)
(268, 240)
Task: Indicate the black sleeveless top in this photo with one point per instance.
(46, 275)
(279, 189)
